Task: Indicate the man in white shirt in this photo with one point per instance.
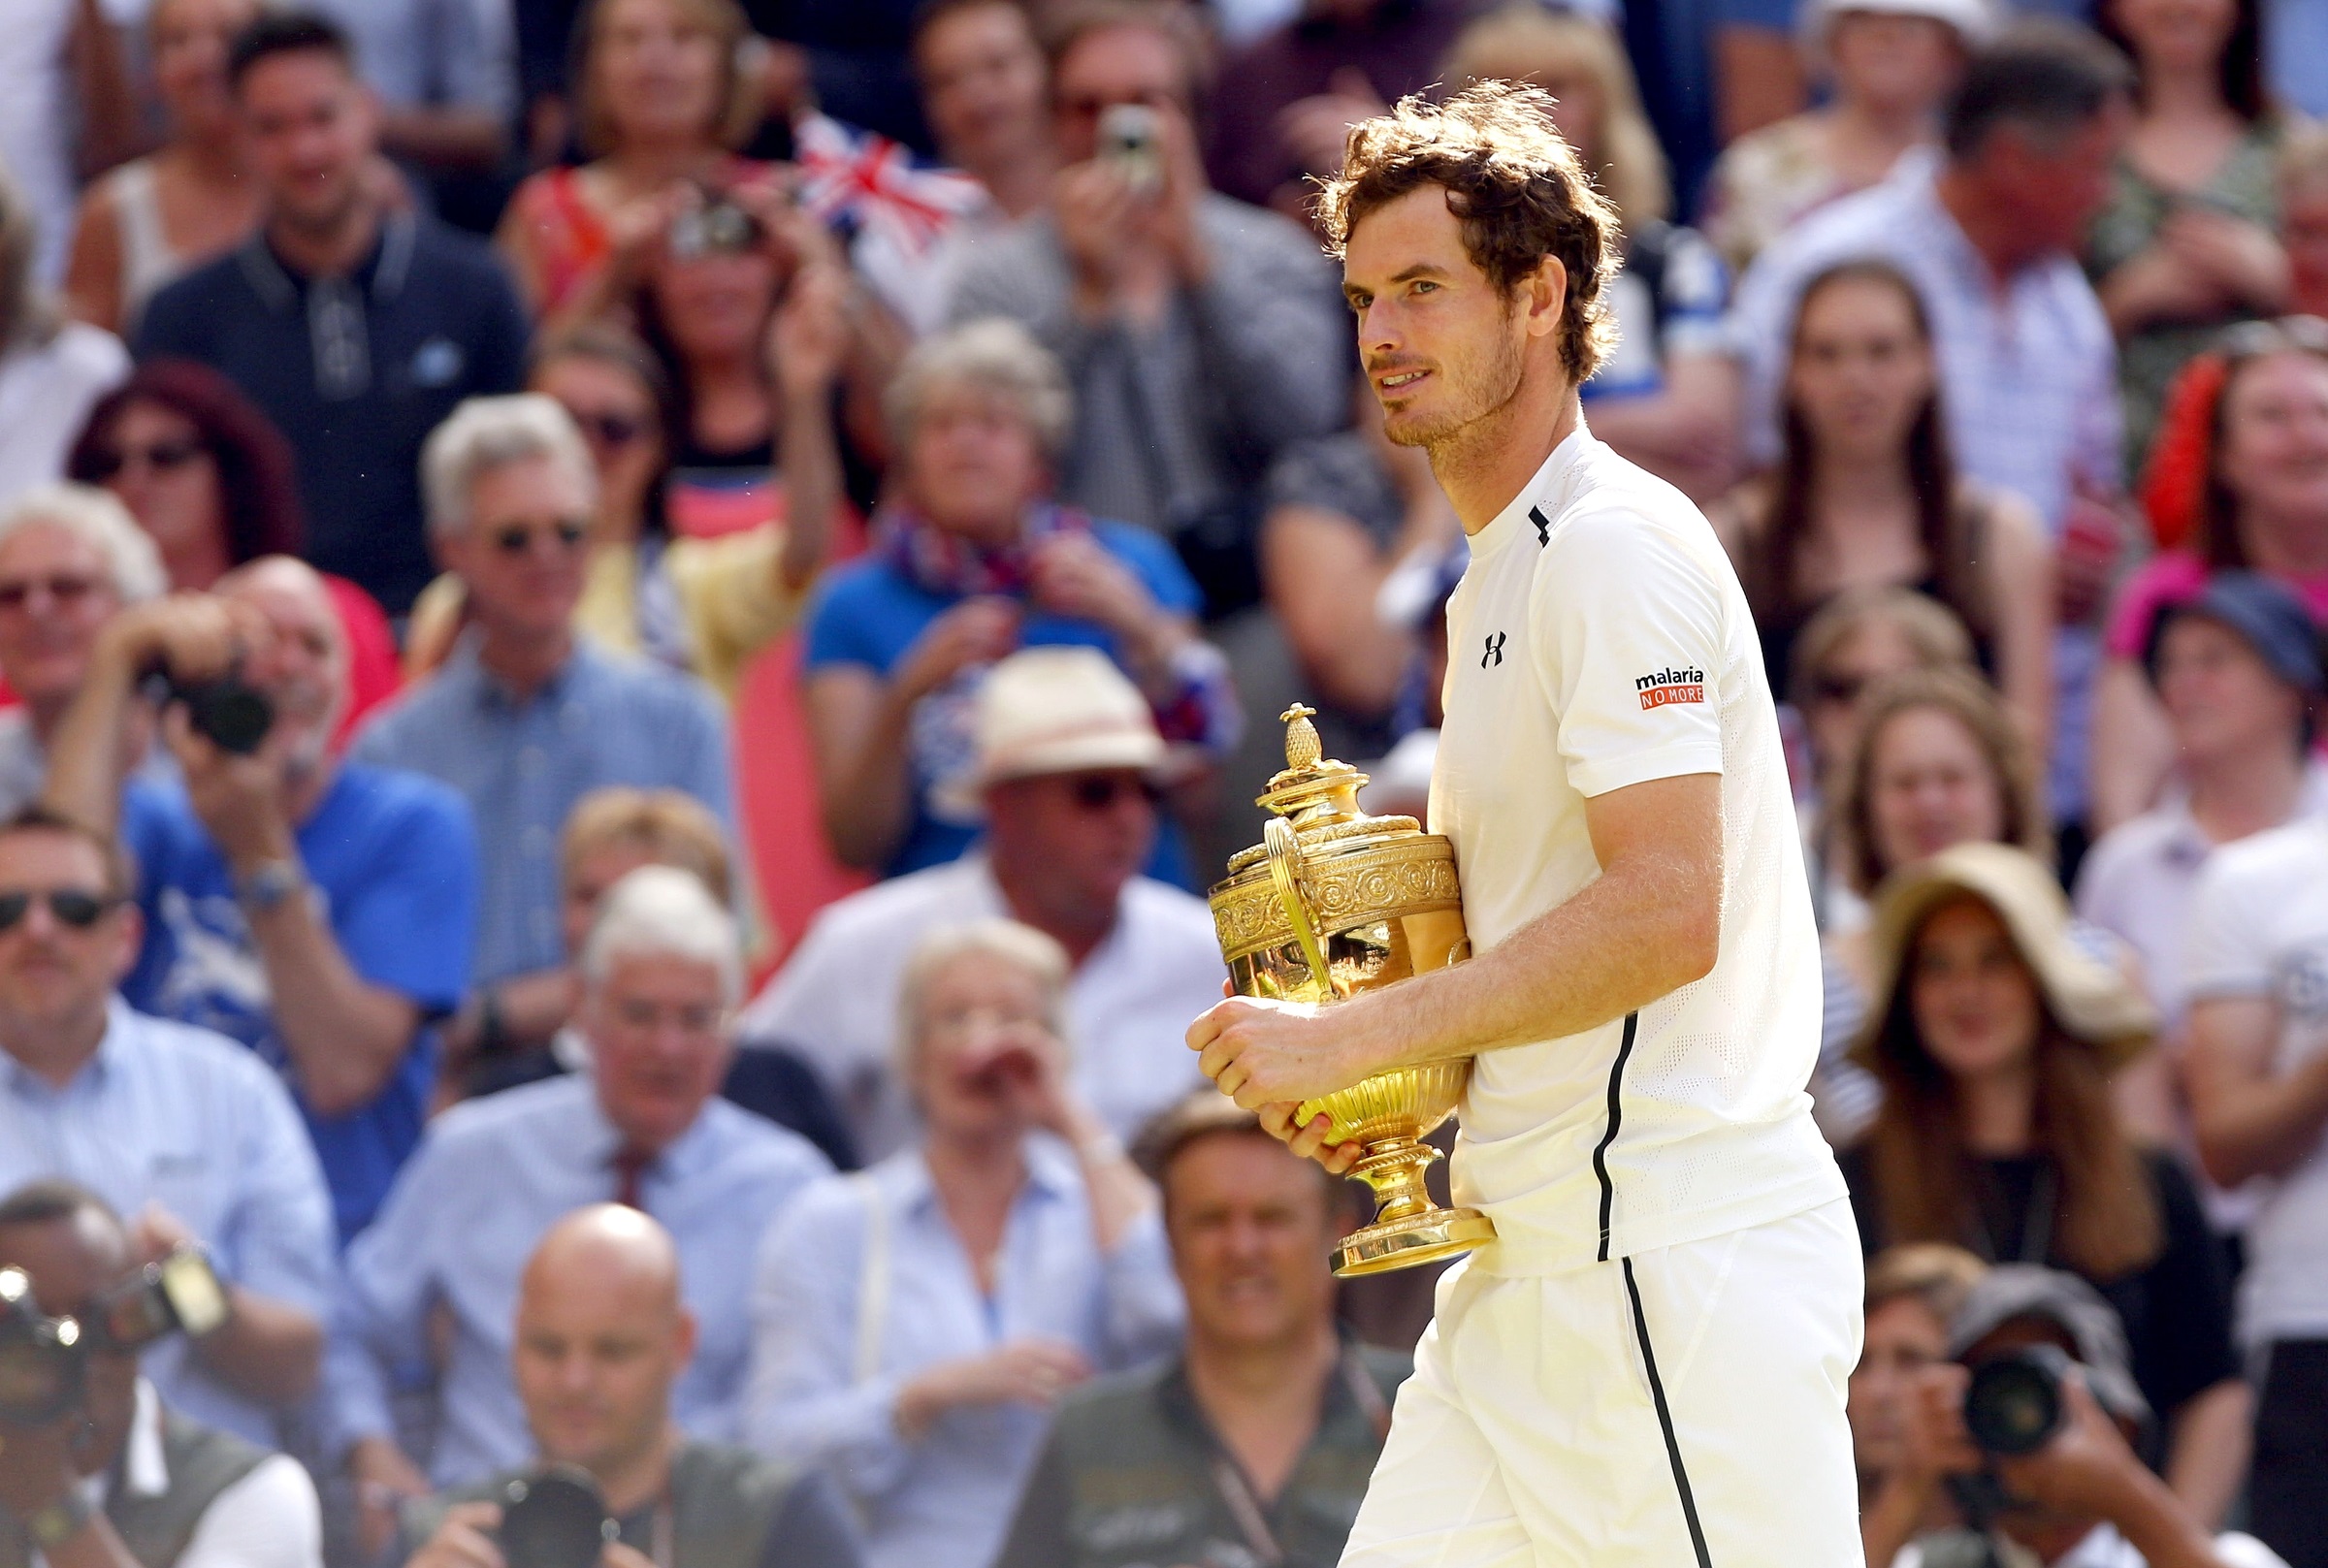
(2257, 976)
(1647, 1366)
(119, 1481)
(1066, 748)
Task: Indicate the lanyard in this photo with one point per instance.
(1237, 1492)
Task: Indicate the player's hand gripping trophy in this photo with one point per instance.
(1333, 901)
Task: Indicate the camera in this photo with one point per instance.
(179, 1294)
(41, 1361)
(229, 711)
(44, 1360)
(2014, 1404)
(554, 1519)
(717, 228)
(1131, 136)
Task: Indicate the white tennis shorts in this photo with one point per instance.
(1679, 1407)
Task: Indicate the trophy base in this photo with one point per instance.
(1411, 1241)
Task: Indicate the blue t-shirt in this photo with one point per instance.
(869, 612)
(393, 859)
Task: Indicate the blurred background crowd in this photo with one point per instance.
(771, 535)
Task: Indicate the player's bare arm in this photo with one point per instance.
(1649, 925)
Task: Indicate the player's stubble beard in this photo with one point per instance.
(1481, 393)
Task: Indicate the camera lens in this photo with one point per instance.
(554, 1520)
(39, 1358)
(2012, 1405)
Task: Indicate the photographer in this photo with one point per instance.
(117, 1480)
(176, 1125)
(317, 911)
(2075, 1495)
(601, 1336)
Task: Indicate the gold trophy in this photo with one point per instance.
(1333, 901)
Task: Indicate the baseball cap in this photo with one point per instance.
(2014, 1293)
(2265, 614)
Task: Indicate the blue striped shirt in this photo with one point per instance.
(523, 764)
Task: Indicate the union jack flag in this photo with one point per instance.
(859, 182)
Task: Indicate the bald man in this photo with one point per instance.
(320, 913)
(602, 1333)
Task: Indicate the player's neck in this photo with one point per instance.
(1485, 464)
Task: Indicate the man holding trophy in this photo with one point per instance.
(1645, 1363)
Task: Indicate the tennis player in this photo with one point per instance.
(1646, 1369)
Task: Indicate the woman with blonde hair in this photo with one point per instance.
(913, 1323)
(1661, 399)
(662, 104)
(1996, 1037)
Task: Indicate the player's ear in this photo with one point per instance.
(1545, 294)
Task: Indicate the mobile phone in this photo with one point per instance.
(1131, 136)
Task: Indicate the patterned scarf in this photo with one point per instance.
(953, 567)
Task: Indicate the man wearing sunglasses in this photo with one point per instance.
(120, 1479)
(1067, 758)
(523, 719)
(316, 910)
(176, 1125)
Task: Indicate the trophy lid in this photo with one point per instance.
(1313, 787)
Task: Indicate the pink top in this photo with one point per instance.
(2177, 577)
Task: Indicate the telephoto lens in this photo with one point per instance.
(41, 1358)
(2014, 1404)
(554, 1519)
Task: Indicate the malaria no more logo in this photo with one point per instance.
(1670, 685)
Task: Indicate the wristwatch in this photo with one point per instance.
(270, 882)
(54, 1523)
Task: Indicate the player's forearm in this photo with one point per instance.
(1642, 931)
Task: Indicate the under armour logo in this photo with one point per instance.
(1495, 650)
(1543, 526)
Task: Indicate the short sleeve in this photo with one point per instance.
(280, 1236)
(2227, 940)
(841, 623)
(1156, 566)
(1628, 639)
(410, 928)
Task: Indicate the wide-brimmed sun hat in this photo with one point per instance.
(2092, 1002)
(1973, 20)
(1055, 710)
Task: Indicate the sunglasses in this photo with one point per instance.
(517, 538)
(608, 430)
(75, 907)
(162, 456)
(1100, 792)
(65, 591)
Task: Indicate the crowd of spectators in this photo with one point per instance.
(630, 626)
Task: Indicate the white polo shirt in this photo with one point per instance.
(1600, 639)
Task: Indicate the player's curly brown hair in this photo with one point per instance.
(1515, 184)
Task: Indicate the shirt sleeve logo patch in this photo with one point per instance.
(1670, 686)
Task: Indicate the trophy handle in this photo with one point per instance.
(1286, 873)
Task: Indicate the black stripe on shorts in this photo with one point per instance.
(1664, 1416)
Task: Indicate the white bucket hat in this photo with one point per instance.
(1974, 20)
(1055, 710)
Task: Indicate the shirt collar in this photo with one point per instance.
(382, 273)
(1538, 497)
(681, 1158)
(120, 1022)
(487, 689)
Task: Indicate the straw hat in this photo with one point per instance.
(2092, 1003)
(1055, 710)
(1973, 20)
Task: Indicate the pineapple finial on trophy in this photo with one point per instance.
(1303, 749)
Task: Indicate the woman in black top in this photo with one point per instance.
(1995, 1037)
(1865, 494)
